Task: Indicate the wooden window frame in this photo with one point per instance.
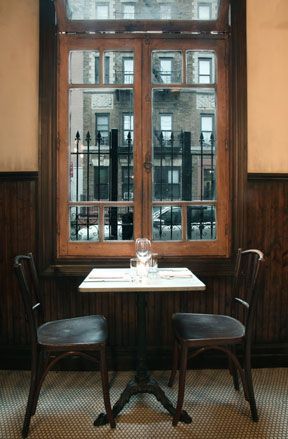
(49, 139)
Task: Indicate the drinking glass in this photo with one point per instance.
(134, 269)
(143, 253)
(143, 249)
(153, 265)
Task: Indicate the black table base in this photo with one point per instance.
(142, 382)
(147, 386)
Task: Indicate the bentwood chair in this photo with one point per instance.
(54, 340)
(202, 332)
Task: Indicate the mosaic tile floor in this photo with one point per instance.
(70, 401)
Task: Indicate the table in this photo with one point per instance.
(118, 280)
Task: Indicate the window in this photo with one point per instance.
(128, 12)
(128, 129)
(204, 11)
(101, 183)
(207, 127)
(102, 11)
(205, 70)
(165, 11)
(167, 183)
(146, 99)
(166, 70)
(166, 128)
(128, 70)
(102, 128)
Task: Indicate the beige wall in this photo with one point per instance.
(267, 85)
(267, 31)
(18, 85)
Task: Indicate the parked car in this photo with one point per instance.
(167, 223)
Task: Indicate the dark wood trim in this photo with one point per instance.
(267, 176)
(238, 110)
(47, 133)
(19, 176)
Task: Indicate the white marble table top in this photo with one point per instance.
(118, 279)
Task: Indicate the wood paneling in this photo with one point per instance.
(267, 217)
(267, 229)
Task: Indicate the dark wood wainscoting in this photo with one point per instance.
(267, 229)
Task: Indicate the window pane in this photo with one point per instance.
(84, 67)
(118, 223)
(128, 12)
(101, 144)
(166, 67)
(180, 147)
(85, 224)
(142, 10)
(204, 11)
(102, 11)
(167, 223)
(200, 67)
(119, 68)
(201, 222)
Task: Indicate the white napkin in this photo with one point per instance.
(171, 274)
(107, 276)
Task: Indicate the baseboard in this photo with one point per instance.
(263, 356)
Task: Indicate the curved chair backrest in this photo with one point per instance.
(26, 273)
(245, 289)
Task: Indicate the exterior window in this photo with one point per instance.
(166, 70)
(102, 11)
(127, 183)
(128, 70)
(102, 128)
(143, 147)
(128, 12)
(204, 11)
(205, 70)
(101, 183)
(167, 183)
(128, 128)
(207, 127)
(166, 127)
(165, 11)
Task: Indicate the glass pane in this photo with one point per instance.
(204, 11)
(142, 10)
(118, 67)
(84, 67)
(118, 224)
(201, 222)
(200, 67)
(84, 223)
(166, 222)
(101, 144)
(166, 67)
(184, 144)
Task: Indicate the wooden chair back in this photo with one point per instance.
(27, 276)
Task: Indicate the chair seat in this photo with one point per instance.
(201, 328)
(87, 330)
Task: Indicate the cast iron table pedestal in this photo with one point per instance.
(143, 382)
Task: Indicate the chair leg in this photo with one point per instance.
(233, 370)
(105, 388)
(250, 388)
(32, 394)
(181, 386)
(174, 364)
